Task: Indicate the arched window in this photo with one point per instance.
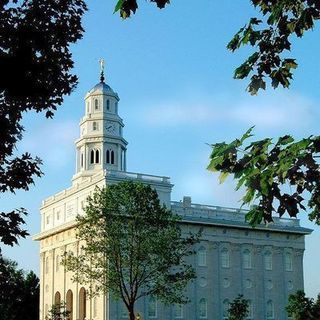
(203, 308)
(47, 265)
(92, 157)
(96, 104)
(116, 106)
(288, 261)
(225, 258)
(94, 125)
(112, 157)
(246, 259)
(225, 308)
(97, 156)
(202, 257)
(82, 304)
(152, 307)
(178, 311)
(108, 104)
(108, 156)
(57, 299)
(69, 304)
(81, 160)
(270, 310)
(268, 260)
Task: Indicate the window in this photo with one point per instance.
(88, 105)
(152, 307)
(81, 161)
(69, 303)
(96, 104)
(94, 125)
(250, 310)
(246, 259)
(92, 157)
(202, 257)
(225, 258)
(57, 298)
(178, 311)
(108, 104)
(112, 157)
(97, 156)
(270, 310)
(288, 261)
(268, 260)
(82, 304)
(108, 156)
(203, 308)
(225, 309)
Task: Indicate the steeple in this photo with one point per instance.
(101, 145)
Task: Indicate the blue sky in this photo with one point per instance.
(173, 74)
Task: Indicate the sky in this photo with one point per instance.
(174, 77)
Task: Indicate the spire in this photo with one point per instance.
(101, 70)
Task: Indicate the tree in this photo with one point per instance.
(58, 312)
(276, 174)
(132, 247)
(19, 292)
(301, 307)
(269, 34)
(35, 58)
(238, 309)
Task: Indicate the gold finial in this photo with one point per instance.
(101, 61)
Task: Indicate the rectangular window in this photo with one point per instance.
(288, 261)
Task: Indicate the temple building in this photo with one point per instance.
(265, 264)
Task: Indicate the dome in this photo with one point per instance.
(102, 88)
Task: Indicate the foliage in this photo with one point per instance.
(265, 167)
(271, 37)
(58, 312)
(133, 246)
(238, 309)
(35, 62)
(301, 307)
(19, 292)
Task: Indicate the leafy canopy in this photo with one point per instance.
(132, 246)
(275, 174)
(238, 309)
(36, 60)
(301, 307)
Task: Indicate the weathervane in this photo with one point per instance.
(101, 61)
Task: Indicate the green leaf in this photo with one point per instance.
(223, 176)
(118, 6)
(247, 134)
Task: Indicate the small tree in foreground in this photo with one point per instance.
(301, 307)
(58, 312)
(133, 247)
(238, 309)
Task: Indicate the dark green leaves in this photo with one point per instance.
(268, 171)
(271, 38)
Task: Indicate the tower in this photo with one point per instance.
(101, 145)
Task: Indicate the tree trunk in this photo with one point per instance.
(131, 312)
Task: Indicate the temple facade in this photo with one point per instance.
(265, 264)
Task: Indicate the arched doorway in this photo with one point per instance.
(69, 303)
(57, 298)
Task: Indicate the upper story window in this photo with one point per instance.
(178, 311)
(116, 106)
(268, 260)
(112, 157)
(203, 312)
(88, 106)
(152, 307)
(108, 104)
(95, 126)
(94, 156)
(96, 104)
(225, 258)
(97, 156)
(81, 160)
(202, 257)
(288, 261)
(270, 310)
(246, 259)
